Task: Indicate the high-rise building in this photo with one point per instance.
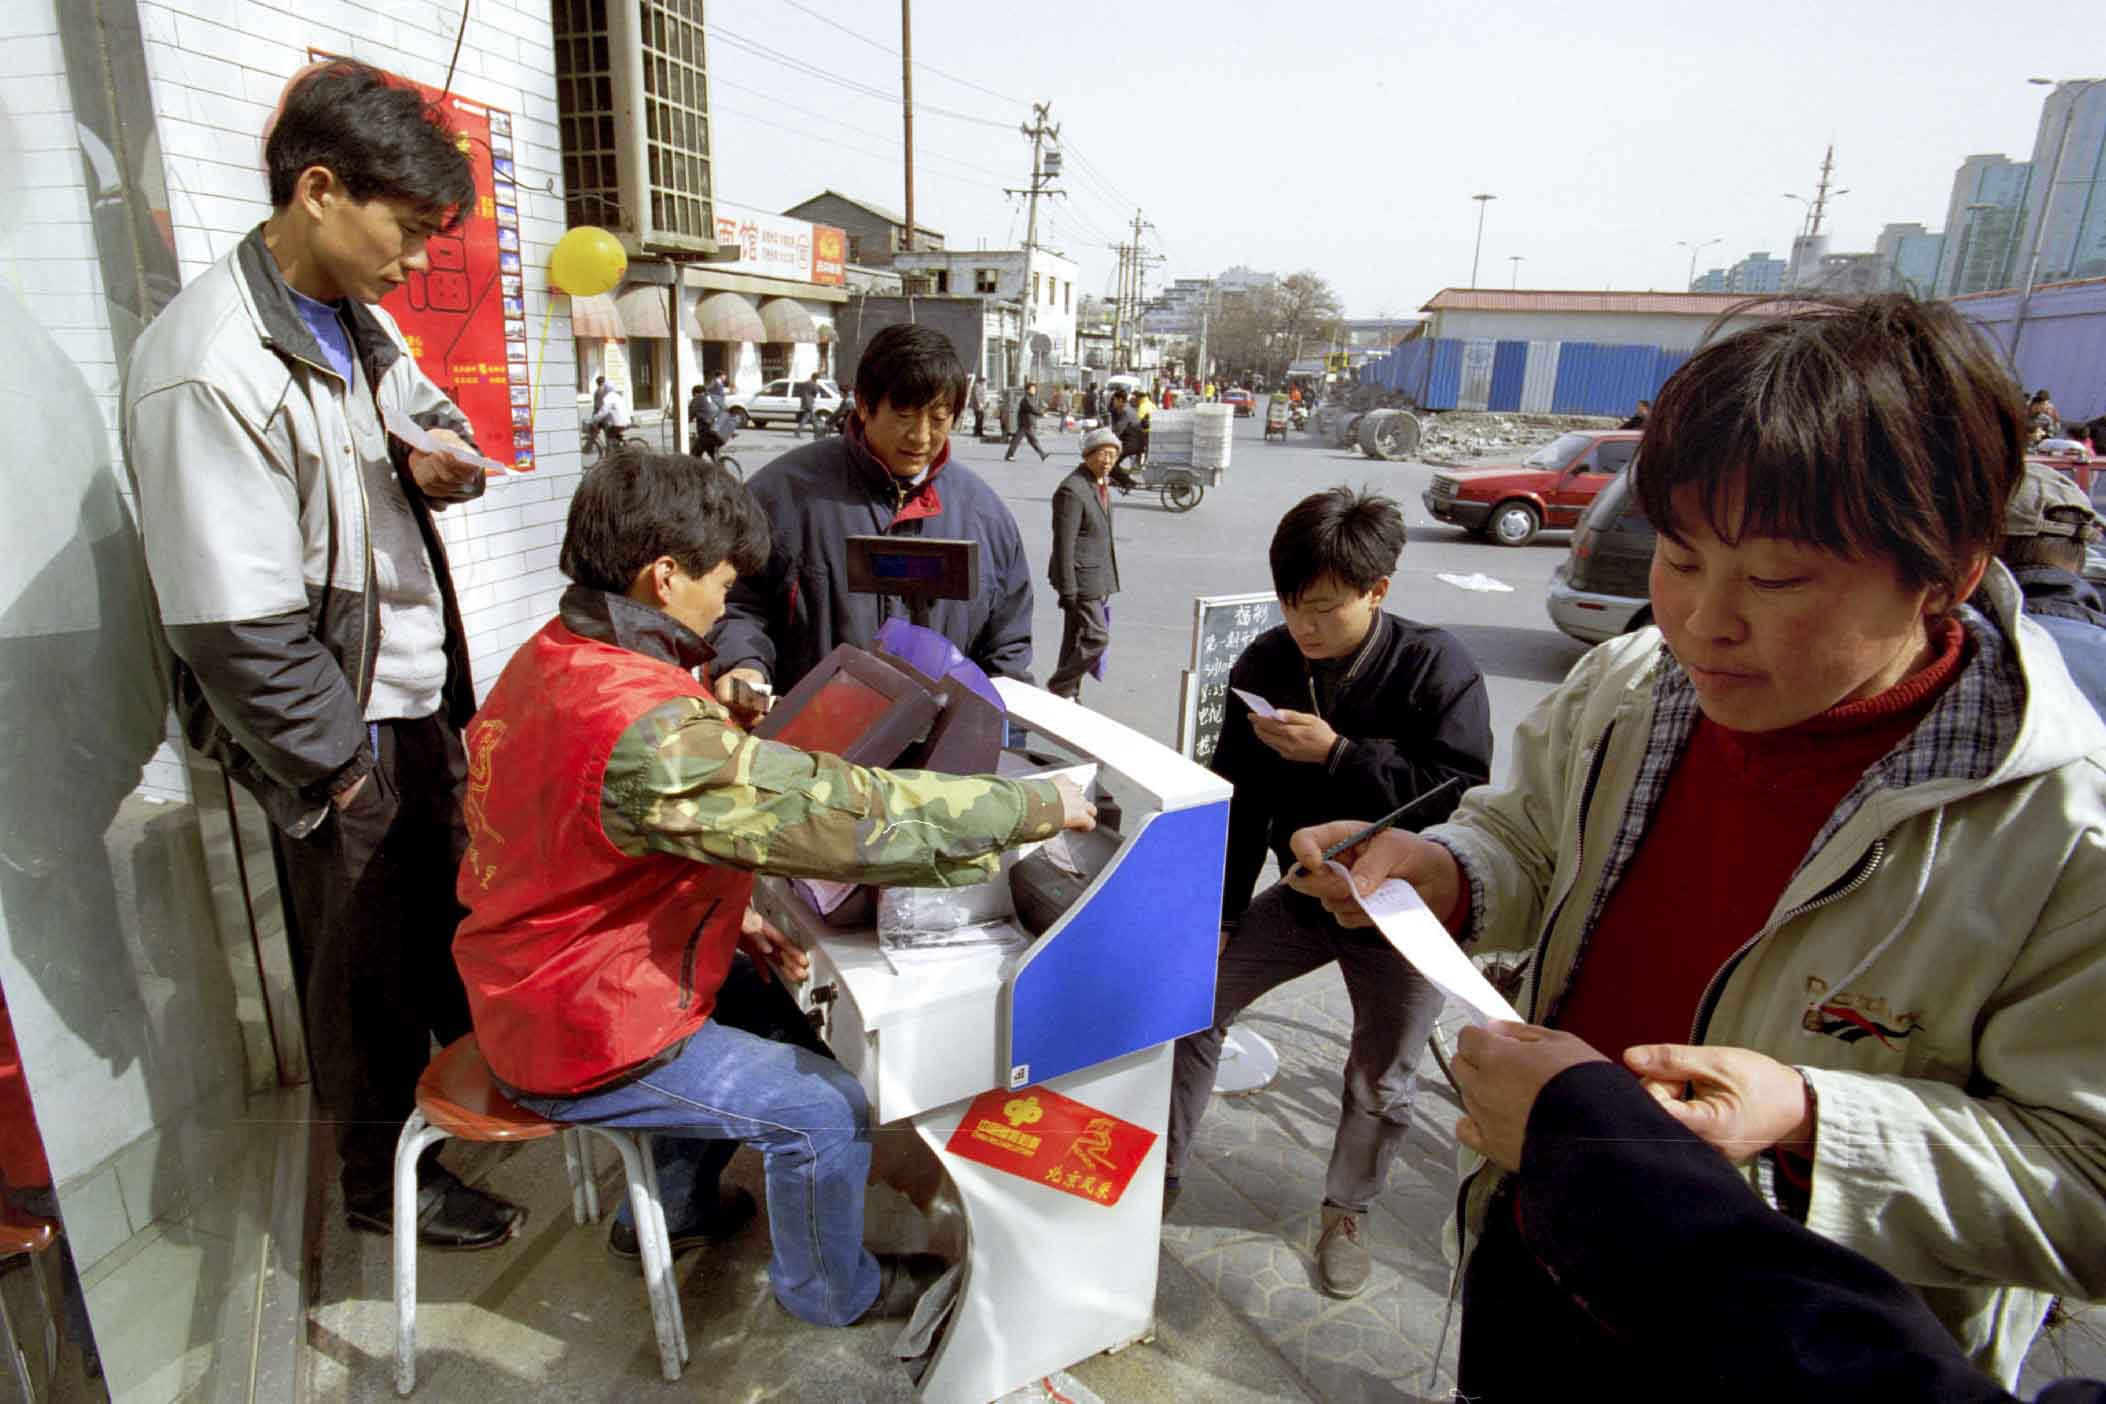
(1910, 254)
(1718, 280)
(1981, 225)
(1757, 273)
(2069, 188)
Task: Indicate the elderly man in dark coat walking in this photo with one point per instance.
(1085, 565)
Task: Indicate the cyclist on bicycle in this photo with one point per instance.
(611, 419)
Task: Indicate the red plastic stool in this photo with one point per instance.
(456, 1097)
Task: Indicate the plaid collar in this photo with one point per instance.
(1966, 735)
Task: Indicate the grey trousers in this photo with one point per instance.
(1085, 633)
(1283, 935)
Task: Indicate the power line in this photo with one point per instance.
(845, 146)
(883, 48)
(790, 61)
(826, 117)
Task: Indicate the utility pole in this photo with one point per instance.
(1040, 131)
(1206, 307)
(906, 98)
(1516, 260)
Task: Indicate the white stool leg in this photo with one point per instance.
(651, 1242)
(571, 1167)
(665, 1238)
(592, 1177)
(416, 1135)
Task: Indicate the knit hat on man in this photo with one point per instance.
(1097, 439)
(2049, 503)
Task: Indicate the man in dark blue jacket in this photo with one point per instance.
(1686, 1273)
(1371, 710)
(890, 472)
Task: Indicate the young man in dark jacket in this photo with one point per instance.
(1028, 410)
(807, 402)
(1373, 710)
(889, 473)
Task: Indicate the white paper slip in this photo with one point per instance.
(1406, 923)
(1258, 705)
(419, 438)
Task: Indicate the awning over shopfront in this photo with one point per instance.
(643, 310)
(728, 316)
(594, 319)
(788, 321)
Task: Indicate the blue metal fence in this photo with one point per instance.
(1561, 377)
(2062, 346)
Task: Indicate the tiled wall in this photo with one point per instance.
(217, 68)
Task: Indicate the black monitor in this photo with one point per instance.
(856, 706)
(919, 569)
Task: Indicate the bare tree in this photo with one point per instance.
(1267, 329)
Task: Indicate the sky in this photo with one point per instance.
(1348, 136)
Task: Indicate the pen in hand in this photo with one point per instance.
(1386, 821)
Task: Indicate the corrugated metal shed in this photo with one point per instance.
(1509, 370)
(1535, 377)
(2062, 347)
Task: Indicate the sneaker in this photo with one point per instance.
(1342, 1261)
(1172, 1188)
(731, 1213)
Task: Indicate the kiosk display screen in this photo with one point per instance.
(843, 711)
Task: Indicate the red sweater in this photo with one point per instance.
(1740, 811)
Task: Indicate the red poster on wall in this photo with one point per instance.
(464, 316)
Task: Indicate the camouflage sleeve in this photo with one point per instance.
(684, 780)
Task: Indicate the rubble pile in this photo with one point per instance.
(1459, 437)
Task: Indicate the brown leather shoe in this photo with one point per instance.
(1343, 1264)
(902, 1278)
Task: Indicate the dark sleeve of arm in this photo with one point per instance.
(1450, 736)
(1003, 648)
(755, 605)
(1240, 759)
(282, 696)
(1067, 522)
(1668, 1246)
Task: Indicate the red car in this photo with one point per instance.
(1510, 502)
(1246, 403)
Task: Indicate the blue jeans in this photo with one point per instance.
(806, 1116)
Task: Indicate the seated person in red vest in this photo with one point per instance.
(617, 816)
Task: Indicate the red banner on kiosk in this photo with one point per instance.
(1061, 1143)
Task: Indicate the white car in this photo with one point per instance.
(777, 400)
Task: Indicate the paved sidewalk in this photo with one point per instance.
(552, 1317)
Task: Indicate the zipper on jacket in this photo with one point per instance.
(1842, 887)
(1579, 858)
(687, 954)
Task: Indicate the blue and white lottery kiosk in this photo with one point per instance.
(1036, 1067)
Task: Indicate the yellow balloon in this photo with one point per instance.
(587, 261)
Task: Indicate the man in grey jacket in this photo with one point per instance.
(1085, 566)
(318, 647)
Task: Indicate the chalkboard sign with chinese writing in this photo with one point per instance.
(1222, 627)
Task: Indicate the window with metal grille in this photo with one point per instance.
(632, 98)
(985, 281)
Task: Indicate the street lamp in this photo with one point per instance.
(1694, 250)
(2047, 201)
(1482, 201)
(1959, 267)
(1515, 259)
